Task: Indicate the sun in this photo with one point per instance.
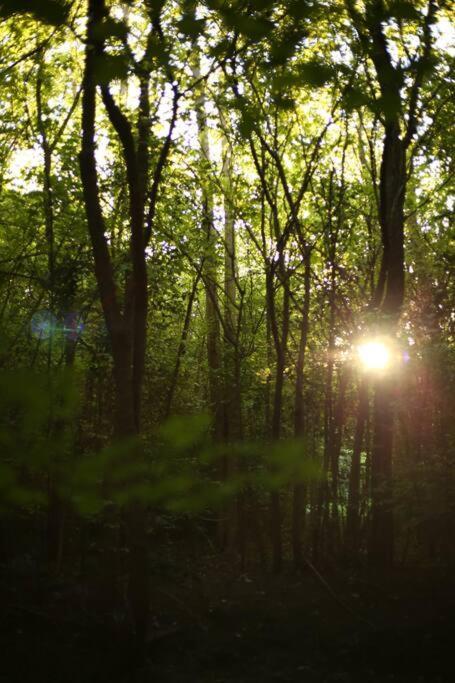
(373, 355)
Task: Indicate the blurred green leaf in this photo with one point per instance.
(403, 9)
(262, 4)
(110, 28)
(54, 12)
(190, 26)
(388, 104)
(110, 67)
(315, 73)
(354, 98)
(246, 124)
(183, 432)
(220, 48)
(281, 51)
(252, 27)
(283, 102)
(299, 9)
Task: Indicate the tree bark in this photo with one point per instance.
(127, 330)
(235, 529)
(299, 502)
(209, 272)
(336, 437)
(389, 295)
(392, 195)
(353, 511)
(181, 347)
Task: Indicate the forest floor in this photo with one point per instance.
(219, 626)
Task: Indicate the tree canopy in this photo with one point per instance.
(226, 277)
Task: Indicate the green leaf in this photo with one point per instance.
(190, 26)
(283, 81)
(183, 432)
(428, 64)
(251, 27)
(246, 124)
(281, 51)
(262, 4)
(402, 9)
(110, 67)
(354, 98)
(221, 48)
(54, 12)
(283, 102)
(158, 51)
(388, 104)
(110, 28)
(299, 9)
(315, 73)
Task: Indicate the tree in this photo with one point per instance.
(127, 326)
(389, 295)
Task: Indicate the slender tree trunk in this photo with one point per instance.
(335, 450)
(127, 330)
(321, 518)
(299, 493)
(382, 529)
(231, 318)
(280, 341)
(209, 273)
(55, 505)
(353, 511)
(275, 498)
(392, 195)
(235, 531)
(181, 347)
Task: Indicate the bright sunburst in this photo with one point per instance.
(373, 354)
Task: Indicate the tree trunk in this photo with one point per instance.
(127, 331)
(280, 342)
(392, 195)
(299, 502)
(336, 437)
(233, 417)
(209, 272)
(353, 511)
(181, 347)
(235, 527)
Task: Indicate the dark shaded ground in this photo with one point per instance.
(226, 628)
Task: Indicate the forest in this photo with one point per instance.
(227, 341)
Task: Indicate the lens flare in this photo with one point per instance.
(72, 326)
(374, 355)
(44, 324)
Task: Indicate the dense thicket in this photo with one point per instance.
(205, 208)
